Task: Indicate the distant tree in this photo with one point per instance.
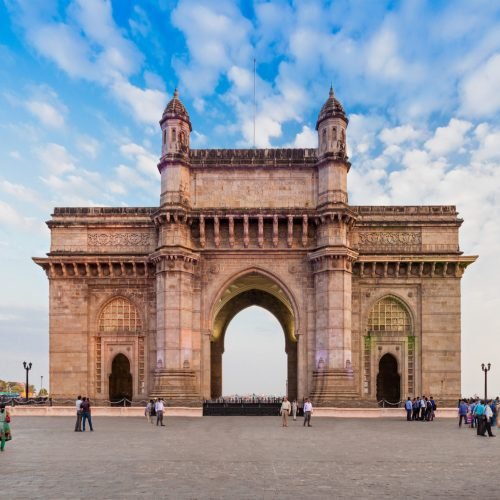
(43, 392)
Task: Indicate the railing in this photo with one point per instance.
(47, 401)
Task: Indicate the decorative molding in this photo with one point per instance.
(389, 238)
(118, 239)
(436, 268)
(56, 267)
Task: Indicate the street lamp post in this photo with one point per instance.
(486, 369)
(27, 367)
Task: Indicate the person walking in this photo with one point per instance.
(149, 410)
(308, 409)
(462, 412)
(5, 432)
(295, 407)
(152, 411)
(285, 411)
(86, 413)
(488, 417)
(159, 408)
(409, 409)
(78, 405)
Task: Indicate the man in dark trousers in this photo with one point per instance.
(78, 405)
(409, 409)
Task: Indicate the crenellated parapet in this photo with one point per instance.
(276, 157)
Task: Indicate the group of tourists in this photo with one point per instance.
(83, 414)
(288, 408)
(5, 432)
(421, 409)
(155, 408)
(480, 414)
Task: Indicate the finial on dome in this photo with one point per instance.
(331, 90)
(176, 93)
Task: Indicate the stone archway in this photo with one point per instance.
(388, 380)
(253, 289)
(120, 379)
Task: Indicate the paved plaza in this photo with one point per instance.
(245, 457)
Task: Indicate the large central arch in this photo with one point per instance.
(253, 288)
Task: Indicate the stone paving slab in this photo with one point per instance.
(246, 457)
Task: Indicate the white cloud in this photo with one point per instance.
(46, 113)
(19, 192)
(399, 135)
(306, 138)
(198, 140)
(489, 143)
(449, 139)
(88, 145)
(146, 162)
(146, 104)
(15, 154)
(362, 132)
(217, 36)
(12, 218)
(479, 91)
(56, 158)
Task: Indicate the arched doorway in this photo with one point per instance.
(253, 289)
(254, 360)
(120, 379)
(388, 380)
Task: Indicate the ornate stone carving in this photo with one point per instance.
(118, 239)
(389, 238)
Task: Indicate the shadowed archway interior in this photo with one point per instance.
(253, 289)
(120, 379)
(388, 380)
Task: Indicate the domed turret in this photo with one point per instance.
(331, 126)
(175, 126)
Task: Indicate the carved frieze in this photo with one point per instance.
(389, 238)
(118, 239)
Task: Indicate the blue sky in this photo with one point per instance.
(83, 85)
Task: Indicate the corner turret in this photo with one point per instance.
(331, 126)
(175, 127)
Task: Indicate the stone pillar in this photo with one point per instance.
(176, 380)
(216, 351)
(333, 374)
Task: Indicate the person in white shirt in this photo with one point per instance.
(78, 405)
(294, 409)
(159, 407)
(308, 409)
(285, 411)
(488, 413)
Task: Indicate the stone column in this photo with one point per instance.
(333, 375)
(176, 379)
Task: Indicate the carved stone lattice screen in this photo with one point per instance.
(119, 315)
(389, 315)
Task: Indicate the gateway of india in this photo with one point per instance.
(368, 296)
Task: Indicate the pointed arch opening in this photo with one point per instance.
(120, 380)
(388, 380)
(252, 289)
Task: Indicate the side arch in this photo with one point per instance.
(389, 329)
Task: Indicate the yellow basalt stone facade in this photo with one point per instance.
(368, 296)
